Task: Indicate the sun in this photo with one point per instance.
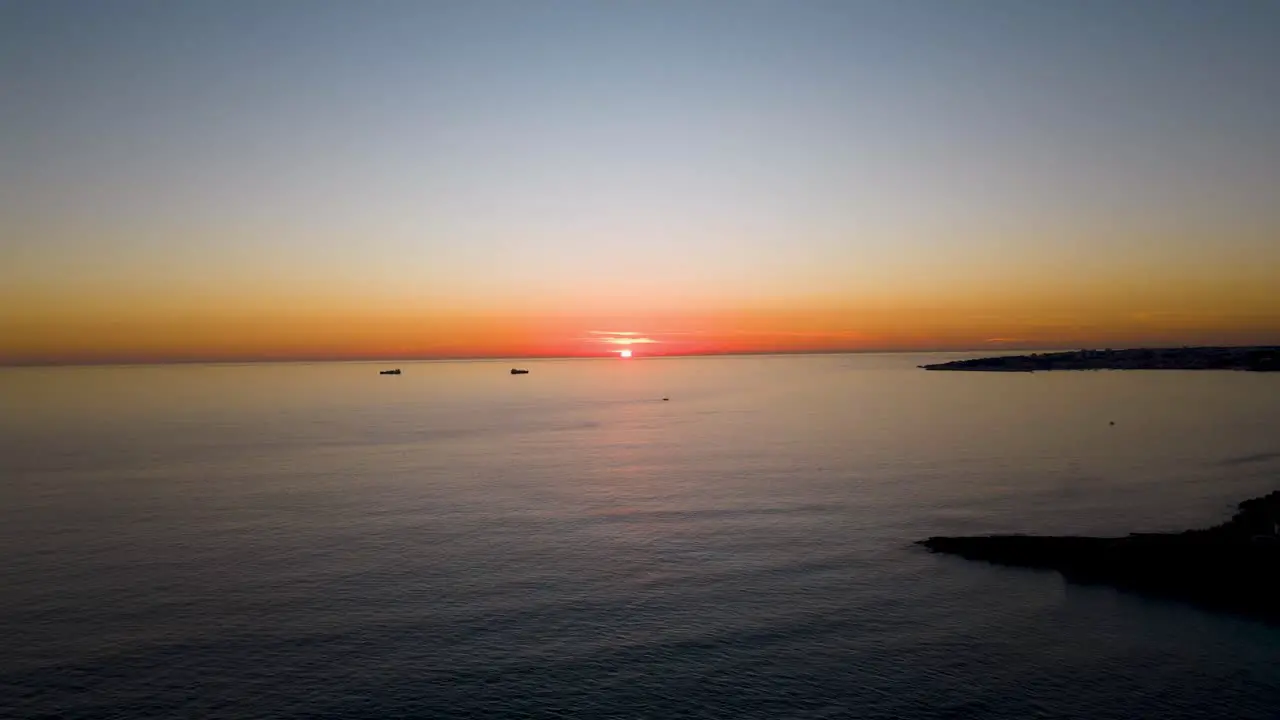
(624, 353)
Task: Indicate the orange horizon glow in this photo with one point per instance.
(83, 338)
(144, 317)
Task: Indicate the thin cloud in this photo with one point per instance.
(610, 337)
(816, 334)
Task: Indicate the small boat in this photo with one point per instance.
(518, 371)
(389, 372)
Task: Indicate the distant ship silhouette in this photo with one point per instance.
(518, 371)
(389, 372)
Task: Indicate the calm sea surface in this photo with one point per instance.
(319, 541)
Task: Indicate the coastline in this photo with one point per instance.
(1257, 358)
(1230, 567)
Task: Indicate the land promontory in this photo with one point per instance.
(1234, 566)
(1257, 359)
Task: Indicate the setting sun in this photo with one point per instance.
(624, 353)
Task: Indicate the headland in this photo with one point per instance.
(1234, 566)
(1253, 358)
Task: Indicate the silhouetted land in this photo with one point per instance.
(1258, 359)
(1234, 566)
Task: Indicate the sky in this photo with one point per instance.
(306, 179)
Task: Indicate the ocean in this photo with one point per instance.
(320, 541)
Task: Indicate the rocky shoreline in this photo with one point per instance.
(1233, 567)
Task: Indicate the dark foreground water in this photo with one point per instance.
(318, 541)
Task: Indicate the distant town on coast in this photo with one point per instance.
(1253, 358)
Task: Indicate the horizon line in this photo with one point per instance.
(605, 356)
